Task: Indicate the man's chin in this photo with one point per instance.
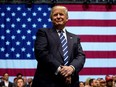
(59, 24)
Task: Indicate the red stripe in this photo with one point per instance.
(85, 71)
(98, 71)
(91, 23)
(91, 7)
(100, 54)
(13, 72)
(98, 38)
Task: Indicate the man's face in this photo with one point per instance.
(59, 16)
(6, 76)
(20, 83)
(94, 83)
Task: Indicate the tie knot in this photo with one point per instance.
(61, 31)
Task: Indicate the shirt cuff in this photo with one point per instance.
(73, 67)
(57, 71)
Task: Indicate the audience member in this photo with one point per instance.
(20, 82)
(6, 82)
(19, 75)
(87, 82)
(30, 80)
(81, 84)
(114, 80)
(102, 83)
(109, 81)
(98, 83)
(93, 82)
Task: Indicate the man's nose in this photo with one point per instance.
(58, 15)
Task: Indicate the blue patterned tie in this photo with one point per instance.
(64, 47)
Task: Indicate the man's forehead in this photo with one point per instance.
(59, 7)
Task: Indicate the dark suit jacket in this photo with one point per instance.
(48, 53)
(3, 84)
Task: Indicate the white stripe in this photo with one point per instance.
(61, 37)
(92, 15)
(66, 58)
(92, 30)
(66, 63)
(18, 63)
(65, 53)
(33, 64)
(65, 48)
(81, 77)
(64, 44)
(63, 40)
(99, 46)
(100, 63)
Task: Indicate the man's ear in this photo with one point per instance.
(67, 19)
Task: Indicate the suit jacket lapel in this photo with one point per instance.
(70, 42)
(57, 41)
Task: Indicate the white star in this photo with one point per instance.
(8, 19)
(23, 49)
(28, 55)
(18, 31)
(28, 43)
(33, 49)
(2, 49)
(24, 14)
(24, 25)
(44, 14)
(49, 9)
(8, 8)
(34, 14)
(2, 37)
(18, 19)
(44, 26)
(29, 19)
(39, 19)
(7, 55)
(17, 55)
(13, 37)
(8, 31)
(2, 14)
(49, 20)
(39, 9)
(12, 49)
(28, 31)
(13, 14)
(18, 8)
(2, 25)
(13, 25)
(34, 37)
(23, 37)
(29, 9)
(7, 42)
(17, 43)
(34, 25)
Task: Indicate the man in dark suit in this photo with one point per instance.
(49, 52)
(5, 82)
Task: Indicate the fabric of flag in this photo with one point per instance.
(95, 24)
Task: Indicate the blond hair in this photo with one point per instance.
(59, 6)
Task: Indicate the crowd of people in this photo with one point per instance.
(21, 81)
(108, 81)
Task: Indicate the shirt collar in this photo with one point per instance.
(64, 30)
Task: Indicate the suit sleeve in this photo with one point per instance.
(42, 52)
(78, 56)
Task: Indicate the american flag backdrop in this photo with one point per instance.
(95, 24)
